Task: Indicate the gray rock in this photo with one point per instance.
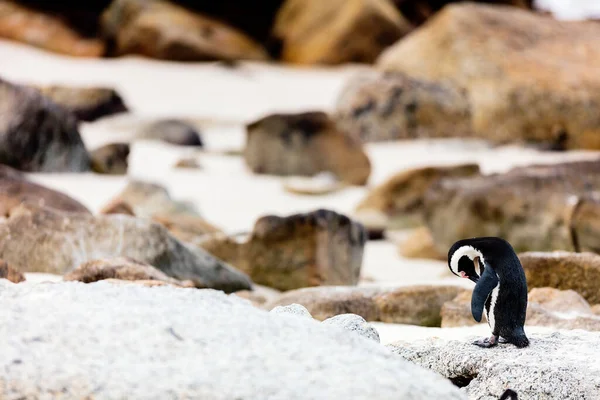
(292, 309)
(172, 131)
(354, 323)
(82, 340)
(37, 135)
(111, 159)
(561, 365)
(45, 240)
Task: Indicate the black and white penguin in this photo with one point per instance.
(500, 291)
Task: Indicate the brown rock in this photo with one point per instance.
(530, 83)
(419, 11)
(16, 189)
(117, 207)
(188, 163)
(172, 131)
(163, 30)
(566, 271)
(111, 159)
(596, 309)
(560, 309)
(141, 282)
(401, 197)
(44, 240)
(87, 103)
(420, 245)
(7, 272)
(379, 106)
(317, 248)
(121, 268)
(534, 208)
(48, 139)
(259, 295)
(337, 31)
(45, 31)
(186, 228)
(415, 305)
(305, 144)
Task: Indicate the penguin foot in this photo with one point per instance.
(501, 340)
(487, 342)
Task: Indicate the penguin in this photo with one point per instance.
(500, 287)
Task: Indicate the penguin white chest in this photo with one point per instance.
(490, 313)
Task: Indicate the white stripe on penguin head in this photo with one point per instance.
(468, 251)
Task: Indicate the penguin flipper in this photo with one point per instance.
(485, 285)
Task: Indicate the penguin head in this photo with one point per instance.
(465, 260)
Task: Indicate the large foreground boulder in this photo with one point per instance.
(562, 365)
(414, 305)
(36, 135)
(535, 208)
(337, 31)
(210, 339)
(300, 250)
(305, 144)
(525, 82)
(16, 189)
(45, 31)
(44, 240)
(164, 30)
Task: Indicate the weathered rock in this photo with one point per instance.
(199, 333)
(320, 184)
(285, 253)
(121, 268)
(172, 131)
(378, 106)
(87, 103)
(16, 189)
(419, 11)
(117, 207)
(415, 305)
(186, 228)
(161, 29)
(45, 31)
(305, 144)
(188, 163)
(559, 365)
(148, 199)
(9, 273)
(420, 244)
(44, 240)
(563, 270)
(401, 198)
(111, 159)
(529, 84)
(534, 208)
(596, 309)
(355, 324)
(48, 139)
(292, 309)
(560, 309)
(337, 31)
(149, 283)
(259, 295)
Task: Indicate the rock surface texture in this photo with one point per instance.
(415, 305)
(209, 339)
(45, 31)
(172, 131)
(87, 103)
(164, 30)
(48, 137)
(305, 144)
(337, 31)
(43, 240)
(285, 253)
(528, 84)
(560, 365)
(111, 159)
(535, 208)
(9, 273)
(16, 189)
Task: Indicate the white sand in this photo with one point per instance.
(221, 100)
(570, 9)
